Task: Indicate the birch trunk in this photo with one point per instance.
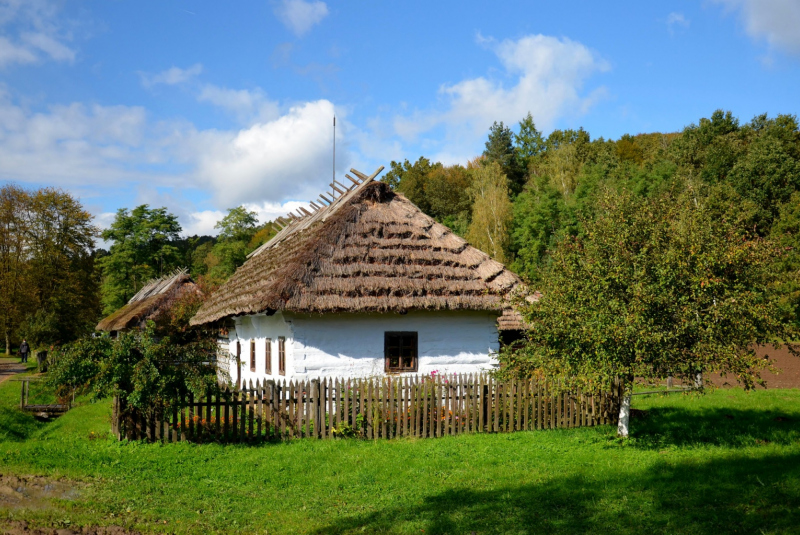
(698, 380)
(624, 415)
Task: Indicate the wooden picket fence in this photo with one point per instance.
(382, 407)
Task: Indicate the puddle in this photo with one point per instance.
(34, 492)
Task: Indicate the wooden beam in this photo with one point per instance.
(316, 207)
(353, 180)
(341, 185)
(324, 198)
(337, 189)
(305, 211)
(359, 174)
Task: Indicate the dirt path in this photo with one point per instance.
(9, 368)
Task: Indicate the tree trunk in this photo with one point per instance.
(624, 415)
(698, 380)
(8, 344)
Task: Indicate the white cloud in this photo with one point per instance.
(676, 19)
(171, 76)
(202, 222)
(244, 104)
(299, 16)
(49, 45)
(776, 21)
(116, 150)
(12, 53)
(31, 33)
(289, 156)
(69, 145)
(548, 75)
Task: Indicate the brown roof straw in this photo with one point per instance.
(148, 302)
(371, 250)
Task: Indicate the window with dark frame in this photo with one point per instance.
(282, 355)
(268, 356)
(400, 351)
(252, 355)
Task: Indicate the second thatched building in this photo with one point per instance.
(362, 283)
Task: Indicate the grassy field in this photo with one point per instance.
(728, 462)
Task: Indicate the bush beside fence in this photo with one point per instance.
(383, 407)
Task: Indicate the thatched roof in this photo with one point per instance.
(370, 250)
(149, 302)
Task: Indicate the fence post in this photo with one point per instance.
(319, 425)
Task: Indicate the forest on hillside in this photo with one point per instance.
(515, 201)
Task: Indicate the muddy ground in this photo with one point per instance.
(34, 492)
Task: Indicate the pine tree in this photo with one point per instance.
(500, 149)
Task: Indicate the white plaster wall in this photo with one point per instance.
(351, 345)
(259, 328)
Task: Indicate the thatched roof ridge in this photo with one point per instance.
(371, 251)
(148, 302)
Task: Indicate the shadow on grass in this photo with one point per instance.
(725, 427)
(16, 425)
(733, 495)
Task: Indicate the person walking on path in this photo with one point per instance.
(24, 349)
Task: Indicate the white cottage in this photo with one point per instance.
(361, 284)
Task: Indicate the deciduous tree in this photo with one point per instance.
(142, 248)
(491, 211)
(654, 287)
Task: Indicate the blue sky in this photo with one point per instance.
(204, 105)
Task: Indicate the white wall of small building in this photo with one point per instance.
(352, 345)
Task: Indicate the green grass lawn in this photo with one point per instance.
(728, 462)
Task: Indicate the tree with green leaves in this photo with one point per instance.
(14, 268)
(410, 179)
(654, 287)
(61, 236)
(238, 224)
(491, 211)
(236, 229)
(143, 370)
(142, 248)
(48, 288)
(529, 142)
(500, 149)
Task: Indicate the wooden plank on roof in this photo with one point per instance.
(353, 180)
(359, 174)
(305, 211)
(337, 189)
